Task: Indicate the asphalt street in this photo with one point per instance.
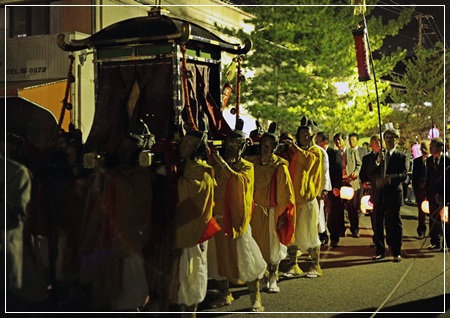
(352, 283)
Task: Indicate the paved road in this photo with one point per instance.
(353, 283)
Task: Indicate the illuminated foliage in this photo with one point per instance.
(300, 52)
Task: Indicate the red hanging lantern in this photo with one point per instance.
(362, 56)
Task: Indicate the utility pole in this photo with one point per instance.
(422, 26)
(420, 41)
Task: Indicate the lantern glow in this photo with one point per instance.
(366, 205)
(347, 193)
(444, 214)
(425, 206)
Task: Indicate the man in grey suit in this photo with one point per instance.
(353, 140)
(351, 165)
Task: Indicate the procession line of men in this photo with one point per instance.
(235, 219)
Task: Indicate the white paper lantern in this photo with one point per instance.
(347, 193)
(425, 206)
(366, 205)
(444, 214)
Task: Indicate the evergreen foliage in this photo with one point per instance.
(301, 51)
(423, 92)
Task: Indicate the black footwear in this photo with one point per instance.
(324, 242)
(397, 258)
(355, 235)
(378, 257)
(323, 237)
(433, 247)
(334, 244)
(420, 237)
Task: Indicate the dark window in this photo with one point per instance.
(18, 25)
(29, 20)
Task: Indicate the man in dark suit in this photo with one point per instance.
(419, 174)
(322, 140)
(334, 206)
(367, 181)
(443, 199)
(435, 169)
(388, 171)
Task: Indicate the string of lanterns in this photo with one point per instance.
(366, 206)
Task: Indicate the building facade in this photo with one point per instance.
(36, 70)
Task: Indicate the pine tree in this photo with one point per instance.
(422, 92)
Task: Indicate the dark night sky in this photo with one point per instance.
(408, 37)
(433, 22)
